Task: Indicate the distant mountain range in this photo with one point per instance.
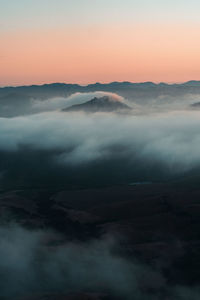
(195, 105)
(63, 89)
(104, 104)
(98, 84)
(16, 101)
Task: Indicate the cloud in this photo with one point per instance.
(32, 263)
(29, 264)
(171, 139)
(54, 147)
(18, 104)
(145, 144)
(76, 98)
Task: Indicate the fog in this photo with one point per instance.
(77, 98)
(30, 264)
(171, 140)
(142, 144)
(41, 145)
(14, 104)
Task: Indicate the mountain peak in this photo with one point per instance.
(104, 104)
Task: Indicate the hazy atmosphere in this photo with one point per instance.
(99, 150)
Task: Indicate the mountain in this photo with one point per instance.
(195, 105)
(104, 104)
(133, 91)
(192, 83)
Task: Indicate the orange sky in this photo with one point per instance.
(143, 52)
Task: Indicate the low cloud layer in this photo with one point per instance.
(48, 147)
(142, 145)
(171, 139)
(77, 98)
(30, 265)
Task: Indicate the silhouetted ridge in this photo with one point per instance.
(104, 104)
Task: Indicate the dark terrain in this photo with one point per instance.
(15, 101)
(103, 104)
(156, 224)
(100, 205)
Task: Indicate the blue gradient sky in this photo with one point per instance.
(54, 13)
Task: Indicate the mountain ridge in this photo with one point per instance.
(104, 104)
(112, 83)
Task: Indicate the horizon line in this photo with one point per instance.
(101, 83)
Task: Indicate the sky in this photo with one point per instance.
(87, 41)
